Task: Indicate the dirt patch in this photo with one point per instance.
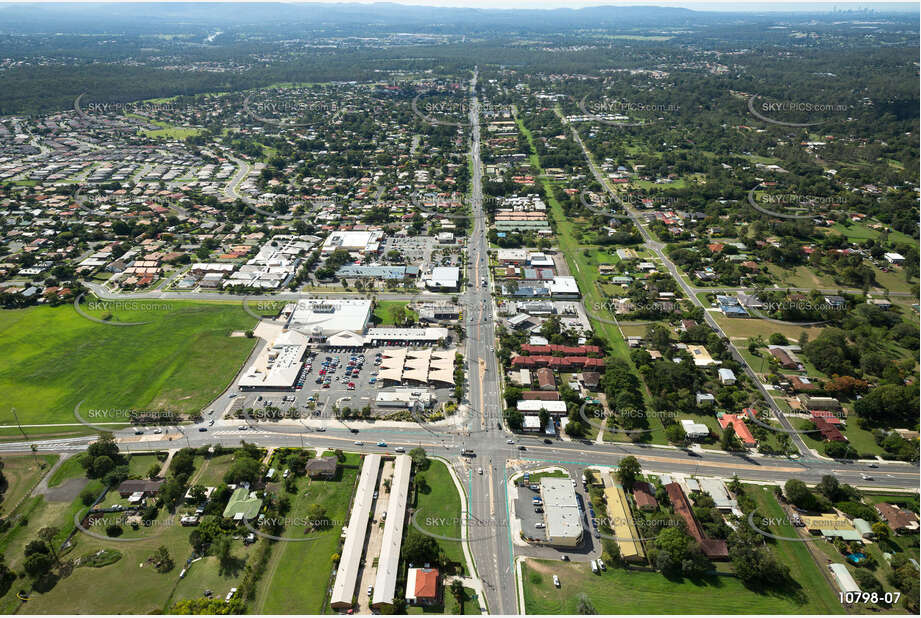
(540, 567)
(66, 491)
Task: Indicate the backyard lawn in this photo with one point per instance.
(297, 575)
(822, 599)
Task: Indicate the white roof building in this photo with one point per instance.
(432, 334)
(561, 511)
(386, 581)
(324, 317)
(278, 364)
(353, 241)
(695, 431)
(443, 277)
(534, 406)
(512, 255)
(719, 493)
(843, 578)
(354, 546)
(563, 286)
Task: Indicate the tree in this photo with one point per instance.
(47, 534)
(242, 469)
(161, 560)
(628, 470)
(728, 440)
(796, 492)
(515, 419)
(457, 591)
(585, 606)
(676, 434)
(757, 566)
(882, 531)
(316, 515)
(222, 551)
(778, 339)
(37, 565)
(419, 548)
(611, 552)
(87, 496)
(197, 541)
(829, 487)
(419, 457)
(6, 576)
(102, 465)
(198, 493)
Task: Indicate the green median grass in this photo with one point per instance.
(54, 358)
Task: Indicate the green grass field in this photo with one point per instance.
(385, 309)
(54, 358)
(22, 472)
(298, 573)
(69, 469)
(617, 591)
(442, 502)
(858, 232)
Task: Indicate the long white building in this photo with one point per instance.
(387, 564)
(354, 546)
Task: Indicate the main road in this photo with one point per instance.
(487, 491)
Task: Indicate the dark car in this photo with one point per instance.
(548, 441)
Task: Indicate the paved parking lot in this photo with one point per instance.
(524, 509)
(415, 249)
(332, 388)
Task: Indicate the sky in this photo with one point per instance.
(703, 5)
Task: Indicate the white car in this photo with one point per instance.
(479, 470)
(866, 477)
(540, 525)
(358, 443)
(510, 442)
(556, 581)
